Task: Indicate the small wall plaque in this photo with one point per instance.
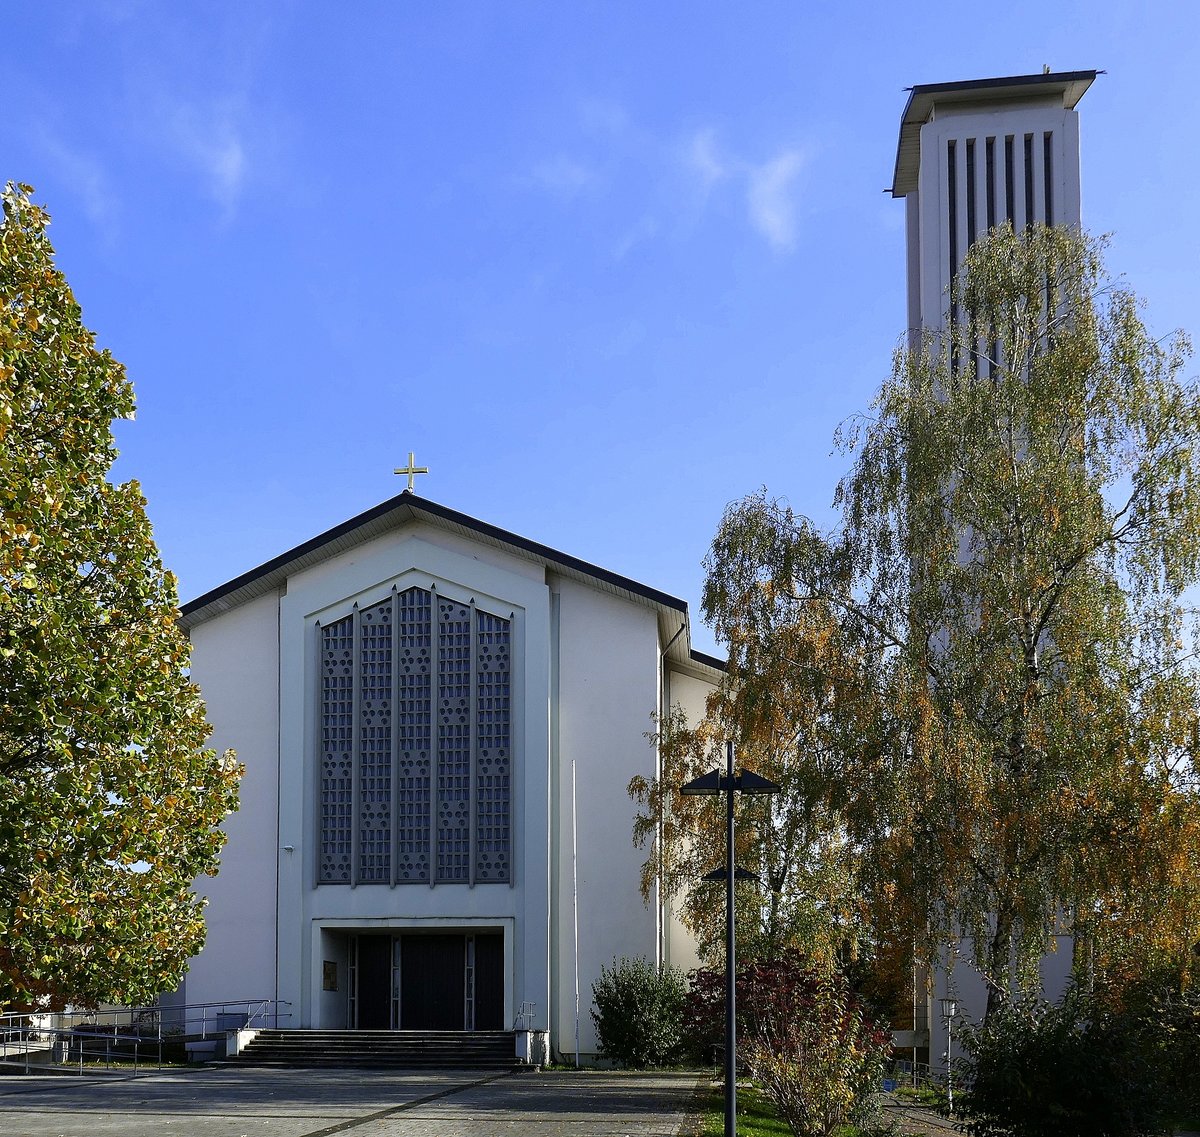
(329, 975)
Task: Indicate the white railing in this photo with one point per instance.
(128, 1037)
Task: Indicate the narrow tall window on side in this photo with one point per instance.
(1048, 173)
(494, 753)
(970, 192)
(952, 195)
(990, 174)
(375, 710)
(1010, 199)
(1028, 180)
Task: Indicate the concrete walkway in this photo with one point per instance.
(916, 1121)
(243, 1102)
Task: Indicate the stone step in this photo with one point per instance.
(453, 1035)
(490, 1049)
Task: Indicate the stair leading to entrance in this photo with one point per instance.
(398, 1049)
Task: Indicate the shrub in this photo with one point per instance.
(1037, 1069)
(808, 1041)
(1165, 1025)
(822, 1064)
(638, 1012)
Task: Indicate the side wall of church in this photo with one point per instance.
(608, 680)
(689, 693)
(235, 660)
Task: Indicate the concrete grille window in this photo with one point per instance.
(415, 763)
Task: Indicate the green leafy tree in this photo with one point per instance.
(109, 803)
(1017, 532)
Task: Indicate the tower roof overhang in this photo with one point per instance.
(1070, 86)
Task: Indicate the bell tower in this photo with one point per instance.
(975, 154)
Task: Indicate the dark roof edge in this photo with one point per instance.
(1050, 78)
(422, 505)
(1072, 85)
(712, 661)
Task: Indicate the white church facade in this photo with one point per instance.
(420, 699)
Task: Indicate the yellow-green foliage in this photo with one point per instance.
(987, 662)
(109, 803)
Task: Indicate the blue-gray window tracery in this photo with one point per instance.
(415, 763)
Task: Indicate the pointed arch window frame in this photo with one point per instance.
(499, 619)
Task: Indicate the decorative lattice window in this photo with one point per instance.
(337, 748)
(415, 761)
(414, 679)
(454, 741)
(375, 700)
(493, 766)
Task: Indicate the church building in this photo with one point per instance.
(438, 721)
(439, 718)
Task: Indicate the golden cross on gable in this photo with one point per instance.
(412, 469)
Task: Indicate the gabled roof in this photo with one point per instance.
(1070, 86)
(408, 507)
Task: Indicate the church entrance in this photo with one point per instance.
(427, 981)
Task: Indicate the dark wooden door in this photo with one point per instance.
(432, 978)
(489, 982)
(374, 983)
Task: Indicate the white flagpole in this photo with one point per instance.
(575, 900)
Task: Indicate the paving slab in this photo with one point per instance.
(225, 1102)
(587, 1104)
(246, 1102)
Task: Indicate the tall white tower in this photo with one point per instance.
(974, 154)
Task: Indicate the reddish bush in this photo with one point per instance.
(805, 1035)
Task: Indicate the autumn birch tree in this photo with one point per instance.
(1017, 533)
(794, 841)
(109, 802)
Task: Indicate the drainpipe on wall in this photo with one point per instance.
(575, 900)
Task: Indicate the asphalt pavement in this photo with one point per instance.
(270, 1102)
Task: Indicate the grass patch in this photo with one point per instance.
(929, 1096)
(756, 1116)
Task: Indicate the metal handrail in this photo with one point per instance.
(526, 1017)
(124, 1029)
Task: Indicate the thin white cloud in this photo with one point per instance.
(771, 197)
(644, 230)
(706, 175)
(602, 116)
(209, 140)
(704, 159)
(563, 176)
(88, 179)
(770, 189)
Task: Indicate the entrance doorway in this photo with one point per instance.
(427, 981)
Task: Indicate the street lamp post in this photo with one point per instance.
(949, 1010)
(711, 784)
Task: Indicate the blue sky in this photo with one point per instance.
(604, 267)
